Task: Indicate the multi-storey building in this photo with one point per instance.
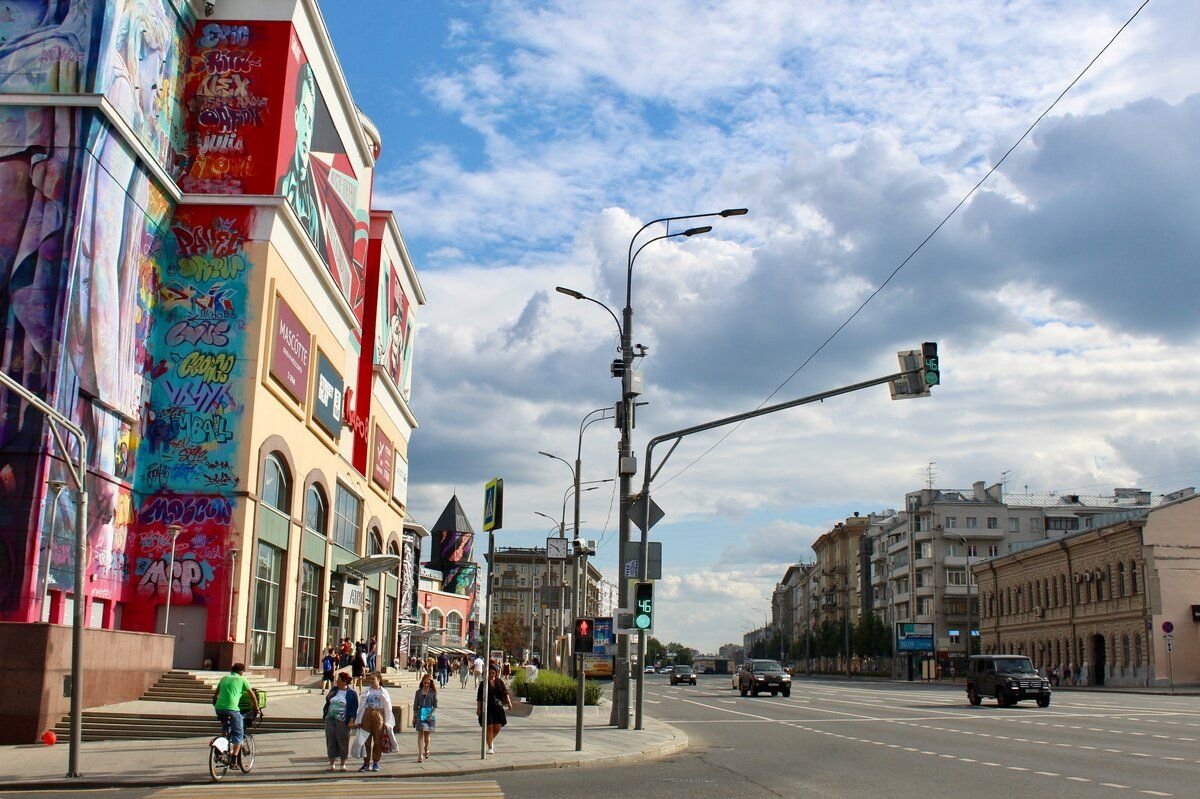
(197, 278)
(836, 576)
(518, 576)
(1094, 600)
(944, 531)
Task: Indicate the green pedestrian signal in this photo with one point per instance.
(643, 606)
(930, 368)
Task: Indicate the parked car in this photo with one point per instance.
(682, 674)
(648, 670)
(1007, 678)
(757, 676)
(666, 669)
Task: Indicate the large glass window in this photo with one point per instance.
(388, 648)
(347, 513)
(310, 607)
(316, 511)
(454, 628)
(267, 571)
(375, 543)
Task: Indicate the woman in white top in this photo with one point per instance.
(375, 718)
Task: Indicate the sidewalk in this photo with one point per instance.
(534, 738)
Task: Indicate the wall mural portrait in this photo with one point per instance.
(394, 325)
(320, 184)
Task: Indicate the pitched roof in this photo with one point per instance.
(453, 519)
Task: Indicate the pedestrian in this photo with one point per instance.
(424, 715)
(443, 669)
(358, 664)
(431, 665)
(477, 668)
(531, 670)
(341, 710)
(506, 670)
(345, 659)
(464, 670)
(375, 717)
(372, 653)
(498, 699)
(327, 670)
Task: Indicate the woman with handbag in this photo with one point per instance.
(341, 709)
(424, 720)
(376, 719)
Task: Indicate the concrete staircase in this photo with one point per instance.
(197, 687)
(112, 726)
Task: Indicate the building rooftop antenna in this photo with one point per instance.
(930, 473)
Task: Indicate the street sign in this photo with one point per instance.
(637, 513)
(1168, 627)
(631, 560)
(493, 505)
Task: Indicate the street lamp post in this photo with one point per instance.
(56, 487)
(626, 462)
(174, 530)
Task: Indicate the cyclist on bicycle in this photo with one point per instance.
(227, 698)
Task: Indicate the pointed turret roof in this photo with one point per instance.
(453, 519)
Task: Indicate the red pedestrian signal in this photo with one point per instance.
(584, 636)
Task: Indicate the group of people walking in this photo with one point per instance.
(361, 723)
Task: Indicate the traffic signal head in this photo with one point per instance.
(931, 367)
(584, 636)
(643, 606)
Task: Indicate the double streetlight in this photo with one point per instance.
(626, 462)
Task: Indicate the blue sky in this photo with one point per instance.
(524, 142)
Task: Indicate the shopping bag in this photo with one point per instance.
(426, 713)
(358, 742)
(390, 744)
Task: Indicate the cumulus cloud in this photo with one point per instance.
(1061, 296)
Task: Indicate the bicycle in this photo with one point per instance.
(219, 758)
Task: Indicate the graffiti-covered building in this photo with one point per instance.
(195, 274)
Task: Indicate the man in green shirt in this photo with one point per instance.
(227, 699)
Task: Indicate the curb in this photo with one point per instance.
(679, 744)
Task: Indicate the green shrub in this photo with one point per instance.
(552, 688)
(517, 688)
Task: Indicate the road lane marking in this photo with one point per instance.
(1113, 785)
(1078, 779)
(1047, 773)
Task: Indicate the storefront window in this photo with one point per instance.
(310, 607)
(347, 512)
(316, 515)
(266, 605)
(387, 649)
(372, 614)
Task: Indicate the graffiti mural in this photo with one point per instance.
(320, 184)
(234, 115)
(198, 340)
(394, 323)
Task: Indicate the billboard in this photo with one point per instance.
(289, 350)
(451, 548)
(911, 637)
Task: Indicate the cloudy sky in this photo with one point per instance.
(525, 143)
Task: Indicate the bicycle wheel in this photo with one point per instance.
(218, 762)
(246, 758)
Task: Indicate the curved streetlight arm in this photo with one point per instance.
(579, 295)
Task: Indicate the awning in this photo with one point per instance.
(449, 650)
(415, 526)
(371, 564)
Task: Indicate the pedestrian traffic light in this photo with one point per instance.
(930, 365)
(643, 606)
(585, 639)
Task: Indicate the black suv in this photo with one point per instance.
(1008, 678)
(682, 674)
(757, 676)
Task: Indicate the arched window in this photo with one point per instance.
(1100, 590)
(454, 628)
(375, 544)
(316, 510)
(435, 625)
(277, 486)
(1121, 579)
(1133, 577)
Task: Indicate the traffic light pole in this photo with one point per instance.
(679, 435)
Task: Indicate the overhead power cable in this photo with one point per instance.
(920, 246)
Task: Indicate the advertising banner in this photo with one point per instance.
(603, 640)
(327, 411)
(597, 666)
(385, 453)
(911, 637)
(289, 352)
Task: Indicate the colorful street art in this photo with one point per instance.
(233, 123)
(320, 184)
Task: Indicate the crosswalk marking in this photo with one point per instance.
(331, 789)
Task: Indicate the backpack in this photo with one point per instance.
(246, 706)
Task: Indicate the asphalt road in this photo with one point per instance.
(845, 740)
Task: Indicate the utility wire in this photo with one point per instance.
(920, 246)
